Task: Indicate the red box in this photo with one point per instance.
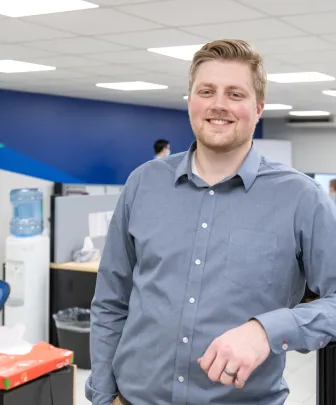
(16, 370)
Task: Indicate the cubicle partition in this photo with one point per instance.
(73, 218)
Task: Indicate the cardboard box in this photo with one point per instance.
(55, 388)
(16, 370)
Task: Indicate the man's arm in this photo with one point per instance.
(309, 327)
(109, 308)
(306, 327)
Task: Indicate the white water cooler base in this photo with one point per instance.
(27, 272)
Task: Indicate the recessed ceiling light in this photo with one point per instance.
(277, 107)
(24, 8)
(185, 52)
(309, 113)
(329, 93)
(15, 66)
(130, 86)
(299, 77)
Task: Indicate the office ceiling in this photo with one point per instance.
(109, 44)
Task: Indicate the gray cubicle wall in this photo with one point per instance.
(71, 224)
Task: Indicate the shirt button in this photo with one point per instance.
(198, 261)
(185, 340)
(204, 225)
(191, 300)
(211, 192)
(181, 378)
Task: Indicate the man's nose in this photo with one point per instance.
(220, 102)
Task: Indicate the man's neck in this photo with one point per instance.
(213, 166)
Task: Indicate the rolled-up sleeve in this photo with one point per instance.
(310, 326)
(109, 307)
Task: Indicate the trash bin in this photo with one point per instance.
(73, 333)
(325, 373)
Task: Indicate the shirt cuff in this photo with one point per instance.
(98, 398)
(282, 330)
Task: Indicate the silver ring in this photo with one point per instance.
(229, 373)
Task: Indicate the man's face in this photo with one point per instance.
(167, 150)
(222, 105)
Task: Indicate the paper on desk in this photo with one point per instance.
(99, 223)
(11, 340)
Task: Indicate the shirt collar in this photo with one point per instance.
(247, 172)
(184, 168)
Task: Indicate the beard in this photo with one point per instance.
(220, 141)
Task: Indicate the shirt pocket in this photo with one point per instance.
(250, 259)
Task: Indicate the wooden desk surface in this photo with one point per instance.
(77, 266)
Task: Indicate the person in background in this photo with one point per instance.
(332, 190)
(332, 186)
(207, 256)
(161, 148)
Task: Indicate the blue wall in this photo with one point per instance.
(74, 140)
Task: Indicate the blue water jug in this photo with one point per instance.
(27, 217)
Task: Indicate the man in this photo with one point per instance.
(207, 256)
(161, 148)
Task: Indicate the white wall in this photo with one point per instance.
(313, 149)
(9, 181)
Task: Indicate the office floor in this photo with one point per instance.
(300, 374)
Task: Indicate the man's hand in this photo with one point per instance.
(233, 356)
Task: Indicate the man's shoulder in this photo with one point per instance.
(286, 173)
(154, 169)
(159, 165)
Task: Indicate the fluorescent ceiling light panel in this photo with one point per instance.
(15, 66)
(277, 107)
(299, 77)
(185, 97)
(132, 86)
(185, 52)
(329, 93)
(309, 113)
(24, 8)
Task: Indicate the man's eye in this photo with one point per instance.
(205, 92)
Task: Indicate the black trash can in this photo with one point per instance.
(326, 374)
(73, 333)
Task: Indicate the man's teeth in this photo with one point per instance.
(220, 122)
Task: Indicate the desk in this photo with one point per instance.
(71, 285)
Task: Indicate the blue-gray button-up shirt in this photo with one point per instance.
(185, 262)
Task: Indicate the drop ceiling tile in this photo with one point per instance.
(314, 23)
(155, 38)
(13, 30)
(177, 67)
(291, 7)
(20, 52)
(95, 22)
(294, 45)
(121, 2)
(307, 57)
(129, 57)
(330, 38)
(110, 70)
(328, 68)
(190, 12)
(64, 61)
(77, 46)
(247, 30)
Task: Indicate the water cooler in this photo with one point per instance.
(27, 266)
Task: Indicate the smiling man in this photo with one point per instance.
(207, 257)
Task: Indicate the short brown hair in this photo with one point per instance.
(332, 184)
(232, 49)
